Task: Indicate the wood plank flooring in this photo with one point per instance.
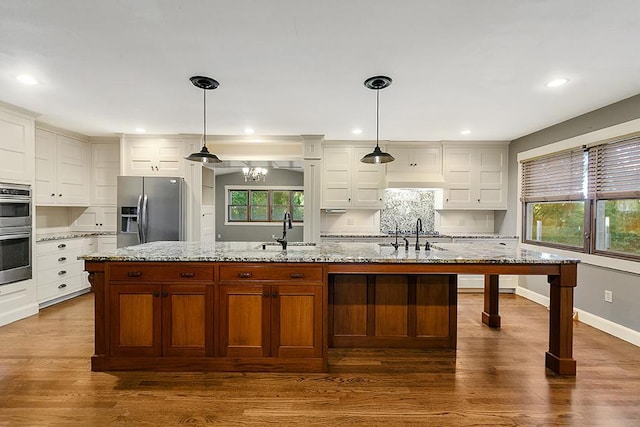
(495, 378)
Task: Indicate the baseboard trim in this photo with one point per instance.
(611, 328)
(19, 314)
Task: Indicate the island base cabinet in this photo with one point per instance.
(393, 311)
(281, 321)
(159, 320)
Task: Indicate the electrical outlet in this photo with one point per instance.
(608, 296)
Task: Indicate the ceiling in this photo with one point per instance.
(292, 67)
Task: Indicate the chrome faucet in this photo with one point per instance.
(285, 220)
(418, 230)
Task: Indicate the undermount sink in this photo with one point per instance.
(293, 246)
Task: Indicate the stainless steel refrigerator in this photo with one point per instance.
(150, 209)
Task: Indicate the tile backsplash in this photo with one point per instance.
(404, 207)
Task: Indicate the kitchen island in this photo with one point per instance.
(249, 306)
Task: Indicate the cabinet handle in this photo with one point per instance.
(62, 286)
(245, 275)
(265, 294)
(274, 294)
(62, 245)
(134, 273)
(297, 275)
(187, 274)
(53, 194)
(62, 259)
(165, 294)
(156, 294)
(62, 272)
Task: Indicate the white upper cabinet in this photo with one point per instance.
(349, 183)
(105, 162)
(476, 177)
(415, 166)
(153, 156)
(62, 170)
(16, 147)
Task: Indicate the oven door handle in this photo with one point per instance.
(139, 219)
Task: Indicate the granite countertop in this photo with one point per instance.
(441, 253)
(71, 235)
(426, 235)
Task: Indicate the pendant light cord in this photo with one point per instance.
(377, 115)
(204, 118)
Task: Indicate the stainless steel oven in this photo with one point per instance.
(15, 233)
(15, 254)
(15, 205)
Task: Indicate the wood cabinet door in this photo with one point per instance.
(136, 323)
(296, 317)
(244, 323)
(186, 321)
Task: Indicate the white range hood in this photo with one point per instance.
(414, 180)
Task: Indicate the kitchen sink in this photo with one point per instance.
(291, 246)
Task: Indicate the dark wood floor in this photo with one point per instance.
(495, 378)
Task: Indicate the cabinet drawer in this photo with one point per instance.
(178, 272)
(60, 287)
(59, 272)
(291, 273)
(62, 258)
(55, 246)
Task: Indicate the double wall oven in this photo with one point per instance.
(15, 233)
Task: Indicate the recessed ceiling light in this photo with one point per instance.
(557, 82)
(248, 130)
(27, 79)
(140, 130)
(465, 132)
(356, 131)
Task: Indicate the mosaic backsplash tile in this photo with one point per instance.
(404, 207)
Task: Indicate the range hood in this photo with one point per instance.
(414, 180)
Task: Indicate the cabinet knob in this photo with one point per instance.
(187, 274)
(134, 273)
(265, 294)
(60, 195)
(62, 285)
(478, 200)
(53, 194)
(165, 294)
(245, 275)
(62, 259)
(274, 294)
(297, 275)
(62, 272)
(156, 294)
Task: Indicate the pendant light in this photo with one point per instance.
(204, 156)
(377, 155)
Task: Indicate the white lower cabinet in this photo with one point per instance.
(59, 272)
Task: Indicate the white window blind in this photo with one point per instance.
(614, 169)
(559, 176)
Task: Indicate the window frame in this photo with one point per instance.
(591, 197)
(269, 190)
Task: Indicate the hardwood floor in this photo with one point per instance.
(495, 378)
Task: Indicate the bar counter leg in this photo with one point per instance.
(490, 316)
(559, 358)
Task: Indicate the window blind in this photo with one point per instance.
(559, 176)
(614, 169)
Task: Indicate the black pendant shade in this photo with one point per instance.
(204, 156)
(377, 155)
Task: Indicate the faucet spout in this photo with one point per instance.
(418, 230)
(286, 220)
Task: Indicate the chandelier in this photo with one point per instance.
(254, 174)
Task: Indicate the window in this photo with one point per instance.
(264, 205)
(585, 199)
